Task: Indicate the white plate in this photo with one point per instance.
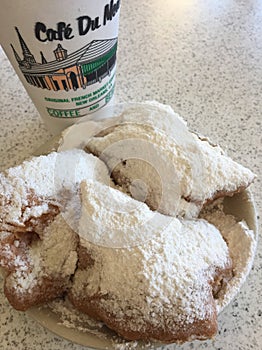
(240, 205)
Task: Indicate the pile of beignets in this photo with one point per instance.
(115, 227)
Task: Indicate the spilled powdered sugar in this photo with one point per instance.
(72, 319)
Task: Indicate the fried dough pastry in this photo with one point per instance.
(153, 157)
(37, 240)
(38, 270)
(159, 289)
(133, 254)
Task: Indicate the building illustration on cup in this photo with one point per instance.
(82, 68)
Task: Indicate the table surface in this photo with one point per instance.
(204, 58)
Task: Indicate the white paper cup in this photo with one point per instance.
(64, 52)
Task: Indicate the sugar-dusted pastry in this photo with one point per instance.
(40, 187)
(39, 203)
(38, 269)
(160, 288)
(153, 157)
(126, 245)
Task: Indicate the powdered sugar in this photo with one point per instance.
(149, 271)
(70, 318)
(29, 188)
(54, 255)
(156, 278)
(231, 227)
(180, 171)
(57, 237)
(111, 218)
(135, 151)
(47, 175)
(220, 173)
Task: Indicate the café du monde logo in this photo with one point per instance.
(79, 69)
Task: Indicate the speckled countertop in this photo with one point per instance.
(203, 57)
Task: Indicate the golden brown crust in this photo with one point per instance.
(221, 279)
(47, 288)
(27, 284)
(199, 329)
(44, 288)
(167, 330)
(18, 242)
(13, 246)
(222, 194)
